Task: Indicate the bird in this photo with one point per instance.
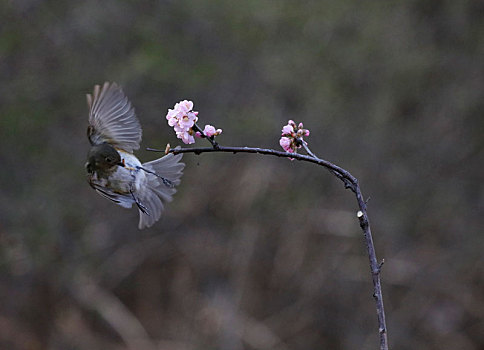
(113, 170)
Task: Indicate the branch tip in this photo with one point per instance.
(349, 182)
(377, 270)
(380, 265)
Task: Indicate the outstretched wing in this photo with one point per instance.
(123, 200)
(112, 118)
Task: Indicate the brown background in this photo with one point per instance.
(254, 252)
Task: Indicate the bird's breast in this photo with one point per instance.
(124, 179)
(131, 169)
(129, 160)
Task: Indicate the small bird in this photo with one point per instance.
(113, 170)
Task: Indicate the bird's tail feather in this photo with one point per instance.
(160, 187)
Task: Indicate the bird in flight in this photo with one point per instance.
(113, 170)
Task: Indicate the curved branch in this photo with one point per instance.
(350, 182)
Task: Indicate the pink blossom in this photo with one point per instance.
(184, 106)
(172, 117)
(171, 113)
(182, 118)
(286, 144)
(287, 130)
(172, 122)
(186, 137)
(209, 130)
(187, 120)
(293, 136)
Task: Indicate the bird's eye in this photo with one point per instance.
(108, 159)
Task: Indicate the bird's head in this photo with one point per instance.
(103, 159)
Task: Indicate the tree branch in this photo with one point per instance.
(349, 182)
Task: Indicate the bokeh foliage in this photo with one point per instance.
(254, 253)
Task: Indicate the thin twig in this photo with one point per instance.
(350, 182)
(305, 145)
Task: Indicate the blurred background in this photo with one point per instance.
(255, 252)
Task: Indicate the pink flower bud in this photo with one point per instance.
(209, 131)
(292, 136)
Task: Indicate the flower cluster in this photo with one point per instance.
(182, 118)
(209, 131)
(292, 136)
